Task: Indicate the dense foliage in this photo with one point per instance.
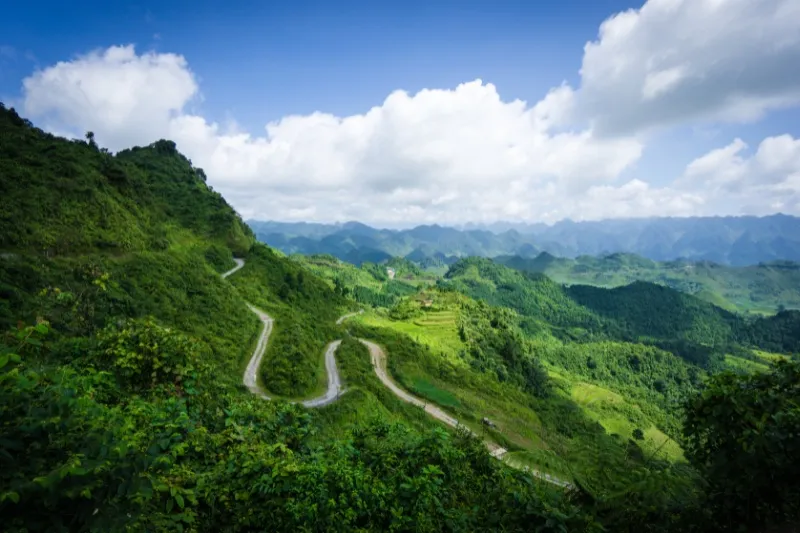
(81, 453)
(764, 287)
(122, 409)
(641, 312)
(742, 433)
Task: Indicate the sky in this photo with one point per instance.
(439, 111)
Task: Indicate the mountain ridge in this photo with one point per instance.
(737, 241)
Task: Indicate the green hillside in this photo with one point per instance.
(370, 284)
(123, 408)
(761, 288)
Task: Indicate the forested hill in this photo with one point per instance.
(121, 358)
(764, 287)
(637, 312)
(62, 198)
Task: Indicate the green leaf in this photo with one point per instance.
(179, 499)
(41, 328)
(3, 360)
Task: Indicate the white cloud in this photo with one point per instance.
(438, 155)
(123, 97)
(465, 154)
(762, 183)
(674, 61)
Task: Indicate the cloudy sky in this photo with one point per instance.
(445, 111)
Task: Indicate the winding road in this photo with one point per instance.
(250, 379)
(334, 390)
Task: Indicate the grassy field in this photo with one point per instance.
(620, 417)
(770, 357)
(469, 396)
(745, 365)
(436, 329)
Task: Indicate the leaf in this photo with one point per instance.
(3, 360)
(11, 495)
(41, 328)
(179, 499)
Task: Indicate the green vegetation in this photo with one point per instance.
(760, 288)
(741, 433)
(370, 283)
(121, 405)
(122, 349)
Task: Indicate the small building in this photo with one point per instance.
(390, 272)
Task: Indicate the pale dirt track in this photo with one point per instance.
(250, 378)
(378, 357)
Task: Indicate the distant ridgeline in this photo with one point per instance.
(725, 240)
(770, 281)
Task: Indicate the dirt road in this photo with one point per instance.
(334, 389)
(250, 378)
(378, 357)
(334, 381)
(379, 364)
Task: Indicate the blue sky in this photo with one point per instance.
(252, 63)
(259, 61)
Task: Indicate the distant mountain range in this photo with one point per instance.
(726, 240)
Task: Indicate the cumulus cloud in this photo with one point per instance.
(765, 182)
(123, 97)
(465, 153)
(445, 155)
(673, 61)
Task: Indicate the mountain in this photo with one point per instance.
(762, 288)
(735, 241)
(639, 312)
(133, 298)
(121, 357)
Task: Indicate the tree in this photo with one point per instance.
(90, 139)
(638, 434)
(742, 434)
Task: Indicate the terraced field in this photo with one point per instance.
(618, 416)
(436, 329)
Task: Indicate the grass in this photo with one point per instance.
(745, 365)
(617, 416)
(527, 427)
(770, 357)
(365, 398)
(436, 330)
(425, 388)
(541, 460)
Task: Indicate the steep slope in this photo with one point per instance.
(62, 198)
(121, 356)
